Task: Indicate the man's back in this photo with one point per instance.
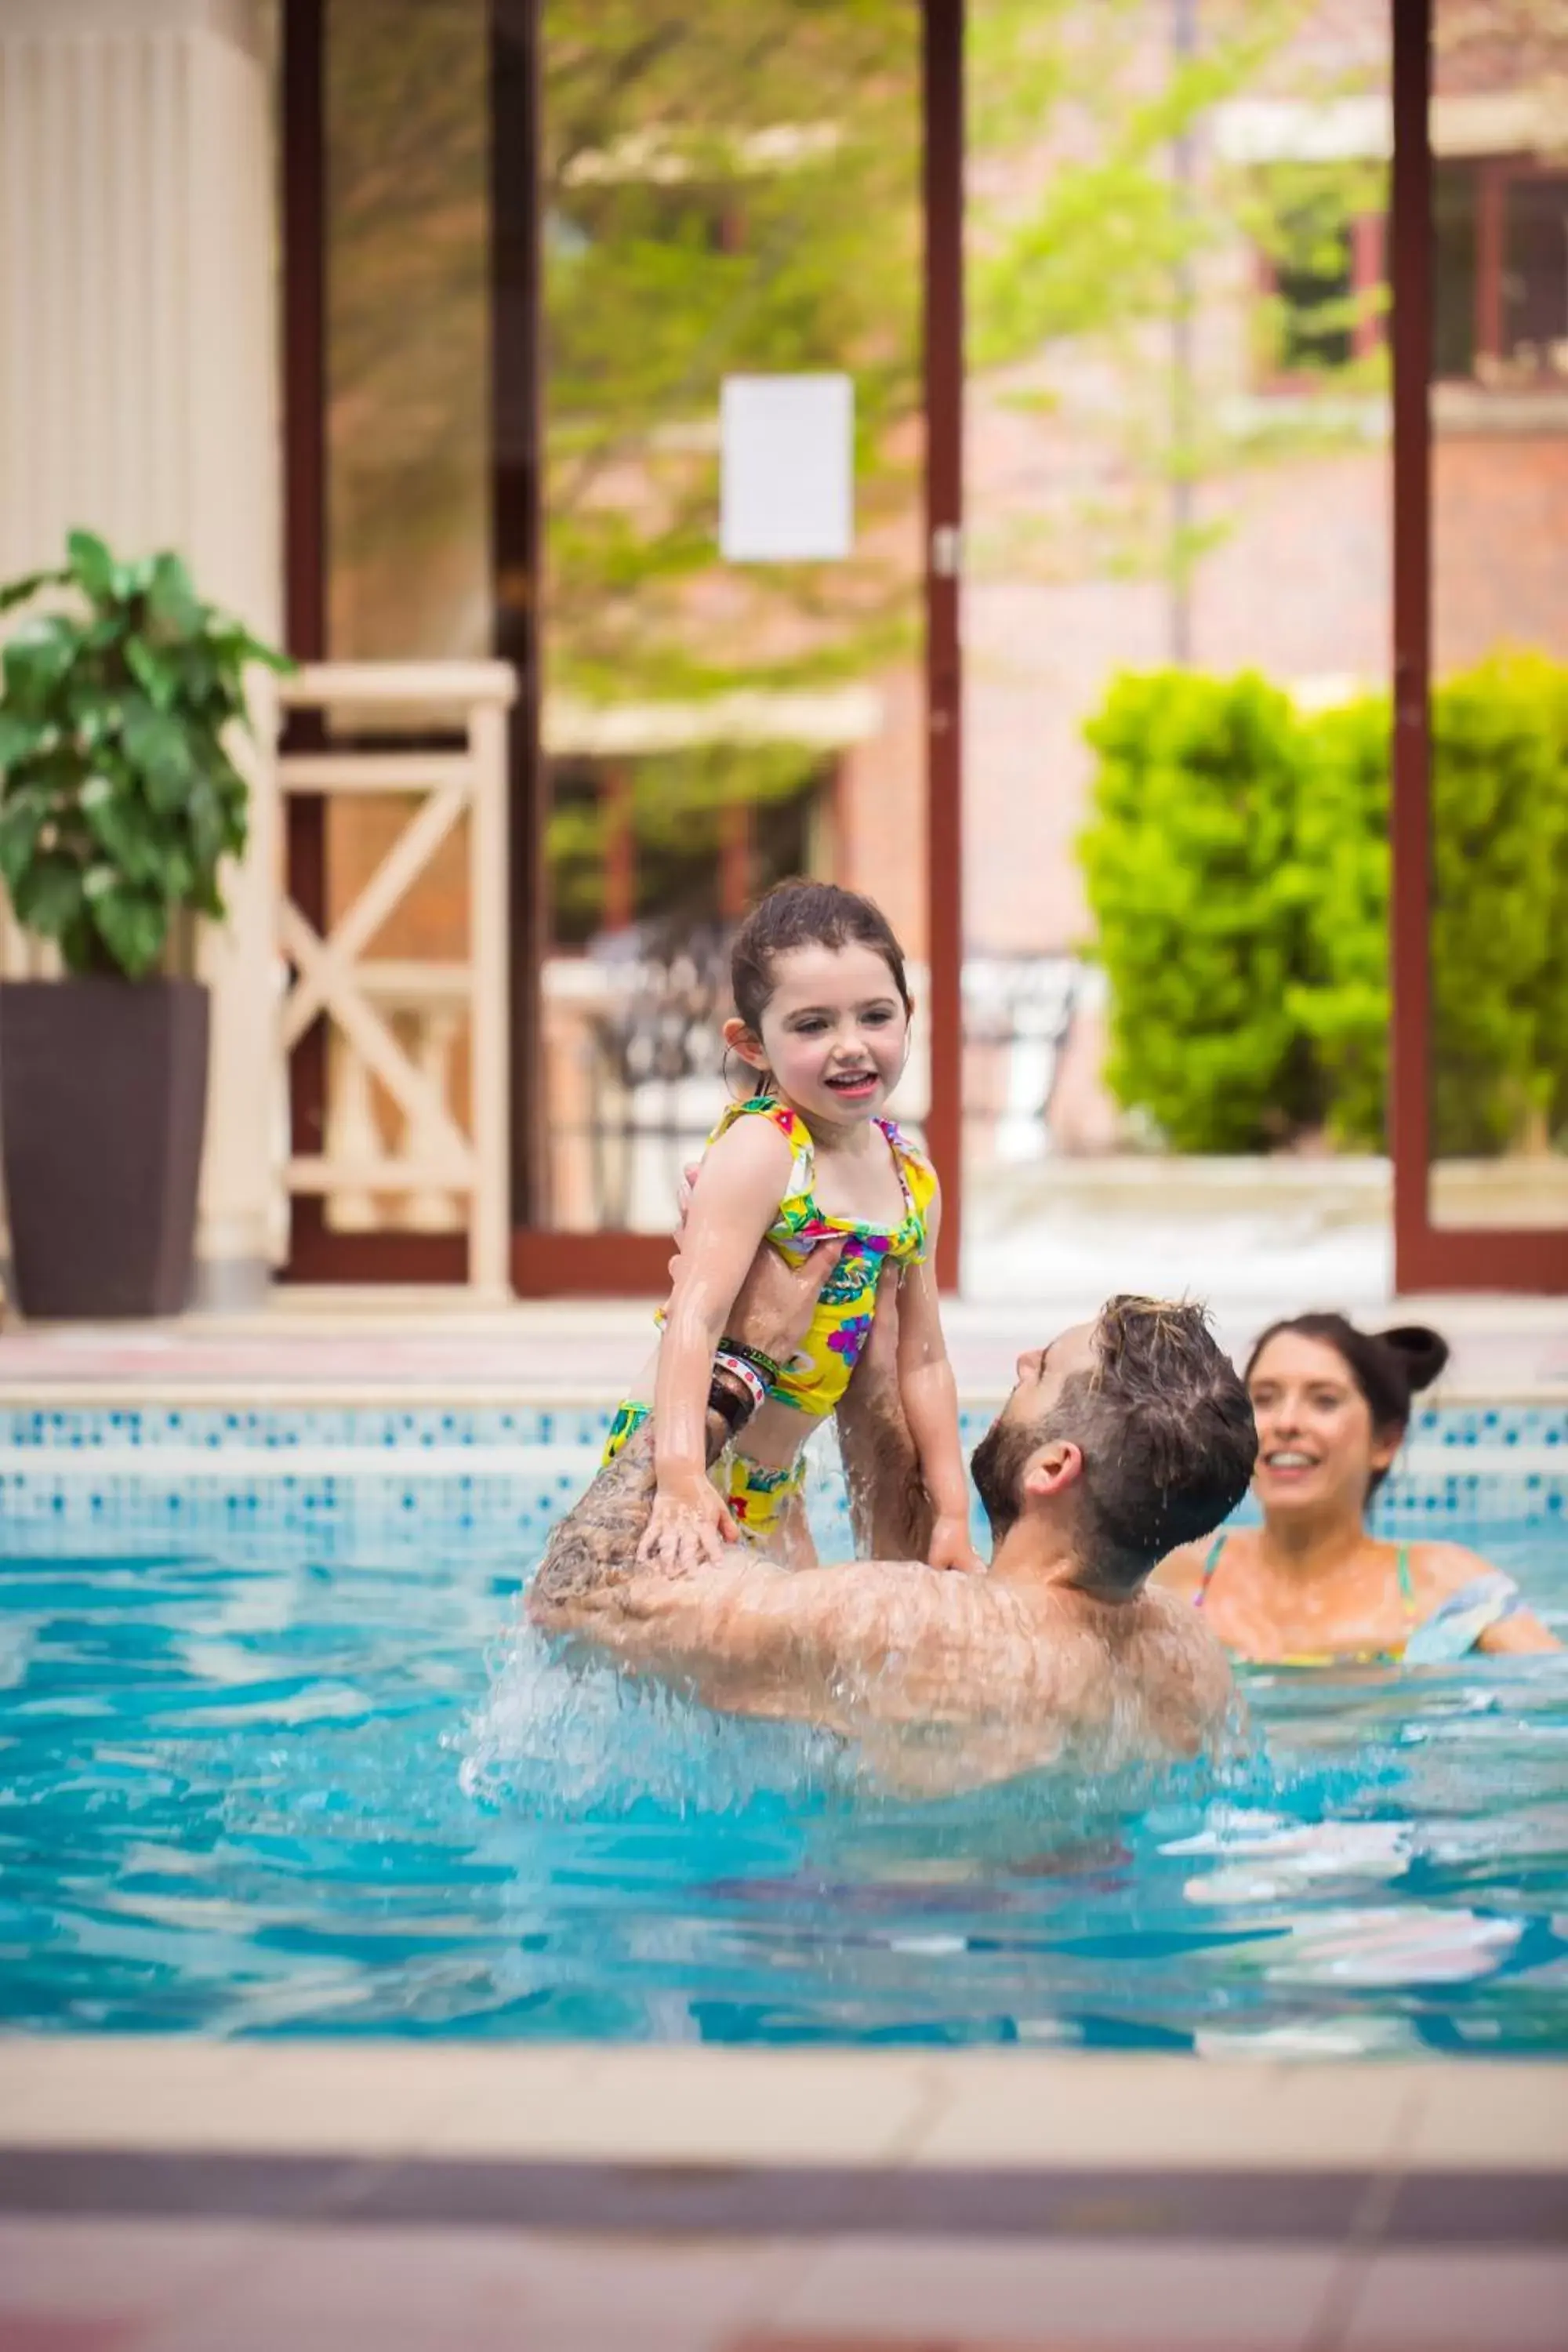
(945, 1679)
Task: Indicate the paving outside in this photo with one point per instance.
(1026, 1276)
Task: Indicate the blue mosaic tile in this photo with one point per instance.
(139, 1429)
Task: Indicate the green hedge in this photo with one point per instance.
(1236, 864)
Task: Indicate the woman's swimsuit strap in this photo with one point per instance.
(1407, 1595)
(1211, 1561)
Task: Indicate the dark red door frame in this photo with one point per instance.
(942, 81)
(1426, 1258)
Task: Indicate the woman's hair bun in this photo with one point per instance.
(1422, 1353)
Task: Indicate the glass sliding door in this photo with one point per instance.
(1481, 981)
(730, 193)
(536, 253)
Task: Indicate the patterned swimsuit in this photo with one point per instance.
(816, 1376)
(1453, 1630)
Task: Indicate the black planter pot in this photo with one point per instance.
(103, 1087)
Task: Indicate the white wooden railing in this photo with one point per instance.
(396, 1022)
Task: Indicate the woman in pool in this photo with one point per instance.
(1313, 1586)
(822, 1024)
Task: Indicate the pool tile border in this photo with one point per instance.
(1494, 1430)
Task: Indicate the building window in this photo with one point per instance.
(661, 842)
(1499, 275)
(1500, 272)
(1453, 271)
(1321, 269)
(1535, 272)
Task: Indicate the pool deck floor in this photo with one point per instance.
(161, 2195)
(440, 1346)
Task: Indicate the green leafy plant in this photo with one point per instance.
(119, 798)
(1190, 875)
(1339, 994)
(1238, 866)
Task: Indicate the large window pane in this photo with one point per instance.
(729, 192)
(407, 357)
(1498, 1054)
(408, 503)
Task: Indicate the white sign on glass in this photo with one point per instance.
(787, 469)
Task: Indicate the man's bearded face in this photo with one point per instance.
(997, 1466)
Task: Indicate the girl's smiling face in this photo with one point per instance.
(834, 1032)
(1316, 1442)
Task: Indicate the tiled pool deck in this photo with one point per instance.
(437, 1346)
(175, 2195)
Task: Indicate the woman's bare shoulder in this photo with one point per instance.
(1437, 1568)
(1183, 1571)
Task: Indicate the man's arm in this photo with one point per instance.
(889, 1509)
(596, 1544)
(839, 1646)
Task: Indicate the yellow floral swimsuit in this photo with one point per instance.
(816, 1376)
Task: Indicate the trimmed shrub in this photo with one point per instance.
(1340, 997)
(1500, 864)
(1237, 865)
(1199, 908)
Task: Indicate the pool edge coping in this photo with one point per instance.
(683, 2106)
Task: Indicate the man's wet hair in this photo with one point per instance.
(1165, 1428)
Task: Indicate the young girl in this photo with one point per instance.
(823, 1018)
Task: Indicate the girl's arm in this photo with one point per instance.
(743, 1180)
(930, 1397)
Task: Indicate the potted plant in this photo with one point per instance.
(119, 803)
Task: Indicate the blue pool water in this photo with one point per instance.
(273, 1760)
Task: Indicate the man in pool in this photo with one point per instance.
(1124, 1438)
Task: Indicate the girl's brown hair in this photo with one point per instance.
(800, 913)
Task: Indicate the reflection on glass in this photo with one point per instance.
(408, 508)
(736, 193)
(1499, 1054)
(407, 330)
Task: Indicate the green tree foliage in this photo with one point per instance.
(119, 798)
(1238, 866)
(727, 190)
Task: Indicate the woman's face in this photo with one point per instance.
(1316, 1444)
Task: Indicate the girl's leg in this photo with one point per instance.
(770, 1504)
(790, 1542)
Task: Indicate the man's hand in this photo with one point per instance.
(774, 1304)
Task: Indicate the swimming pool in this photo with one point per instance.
(274, 1761)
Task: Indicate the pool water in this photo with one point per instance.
(301, 1774)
